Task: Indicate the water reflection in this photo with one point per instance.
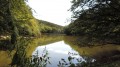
(60, 50)
(57, 51)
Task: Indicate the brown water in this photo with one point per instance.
(61, 47)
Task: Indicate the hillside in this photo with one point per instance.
(48, 27)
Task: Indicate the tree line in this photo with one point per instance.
(100, 19)
(48, 27)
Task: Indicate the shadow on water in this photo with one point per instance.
(20, 54)
(107, 54)
(54, 50)
(6, 52)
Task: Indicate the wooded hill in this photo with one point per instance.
(16, 17)
(48, 27)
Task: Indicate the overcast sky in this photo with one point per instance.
(55, 11)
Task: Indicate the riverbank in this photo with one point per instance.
(83, 41)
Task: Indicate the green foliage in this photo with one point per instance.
(5, 19)
(26, 46)
(14, 35)
(101, 19)
(47, 27)
(17, 13)
(41, 61)
(26, 23)
(67, 30)
(108, 55)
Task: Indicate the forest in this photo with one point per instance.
(92, 39)
(48, 27)
(101, 20)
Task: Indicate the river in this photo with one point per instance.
(57, 50)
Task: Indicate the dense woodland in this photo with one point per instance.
(100, 19)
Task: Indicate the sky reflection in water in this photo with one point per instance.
(57, 51)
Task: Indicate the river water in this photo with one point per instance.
(59, 49)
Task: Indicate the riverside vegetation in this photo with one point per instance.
(94, 32)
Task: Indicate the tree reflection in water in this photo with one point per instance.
(20, 58)
(72, 59)
(101, 54)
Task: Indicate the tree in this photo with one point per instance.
(78, 6)
(17, 13)
(100, 19)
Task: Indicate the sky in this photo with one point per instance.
(55, 11)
